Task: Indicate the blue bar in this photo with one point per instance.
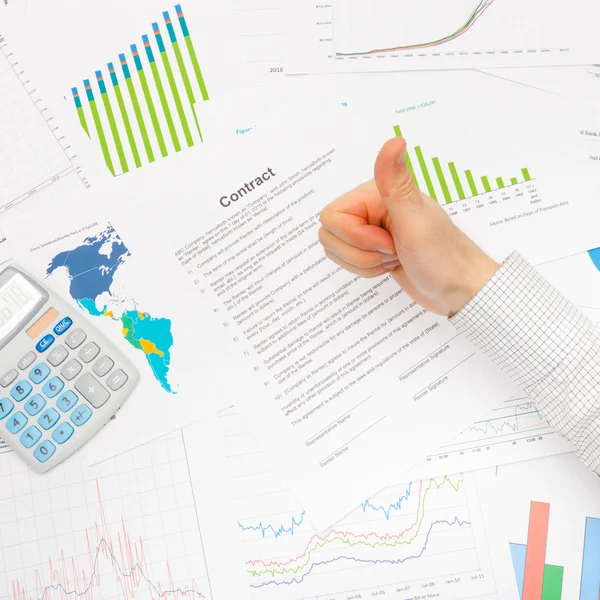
(149, 52)
(182, 22)
(170, 28)
(590, 570)
(88, 89)
(124, 66)
(113, 75)
(100, 81)
(76, 97)
(158, 36)
(136, 58)
(518, 552)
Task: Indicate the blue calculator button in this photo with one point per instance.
(81, 415)
(6, 406)
(39, 373)
(67, 401)
(63, 325)
(45, 343)
(30, 436)
(16, 422)
(21, 390)
(44, 451)
(62, 433)
(48, 419)
(34, 405)
(53, 387)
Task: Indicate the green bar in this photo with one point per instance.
(472, 185)
(406, 156)
(127, 123)
(140, 120)
(486, 184)
(115, 133)
(513, 181)
(442, 180)
(101, 136)
(186, 129)
(425, 171)
(499, 182)
(83, 120)
(186, 82)
(456, 179)
(199, 77)
(553, 581)
(165, 107)
(152, 110)
(526, 174)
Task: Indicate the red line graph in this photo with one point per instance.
(121, 558)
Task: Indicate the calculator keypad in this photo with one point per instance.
(34, 405)
(71, 369)
(21, 390)
(6, 407)
(75, 338)
(53, 387)
(44, 451)
(27, 361)
(51, 393)
(8, 378)
(49, 419)
(91, 389)
(30, 436)
(39, 373)
(62, 433)
(16, 422)
(58, 356)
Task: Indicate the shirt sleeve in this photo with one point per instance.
(546, 345)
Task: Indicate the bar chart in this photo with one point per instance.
(538, 580)
(150, 103)
(446, 184)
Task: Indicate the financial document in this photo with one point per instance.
(387, 35)
(340, 365)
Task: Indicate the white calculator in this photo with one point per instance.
(61, 380)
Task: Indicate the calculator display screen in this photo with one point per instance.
(17, 299)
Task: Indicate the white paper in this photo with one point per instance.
(338, 363)
(411, 539)
(77, 253)
(354, 36)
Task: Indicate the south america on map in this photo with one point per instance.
(91, 268)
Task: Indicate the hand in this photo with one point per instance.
(388, 226)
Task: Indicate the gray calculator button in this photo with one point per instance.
(75, 338)
(26, 361)
(71, 369)
(117, 380)
(102, 366)
(8, 377)
(57, 356)
(89, 387)
(89, 352)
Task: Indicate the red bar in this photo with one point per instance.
(535, 558)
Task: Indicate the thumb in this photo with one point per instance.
(395, 182)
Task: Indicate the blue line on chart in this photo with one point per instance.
(281, 530)
(375, 561)
(392, 507)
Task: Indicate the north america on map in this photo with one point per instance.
(91, 268)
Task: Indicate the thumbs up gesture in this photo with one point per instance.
(388, 226)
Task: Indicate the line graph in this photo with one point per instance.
(125, 532)
(389, 35)
(411, 534)
(474, 15)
